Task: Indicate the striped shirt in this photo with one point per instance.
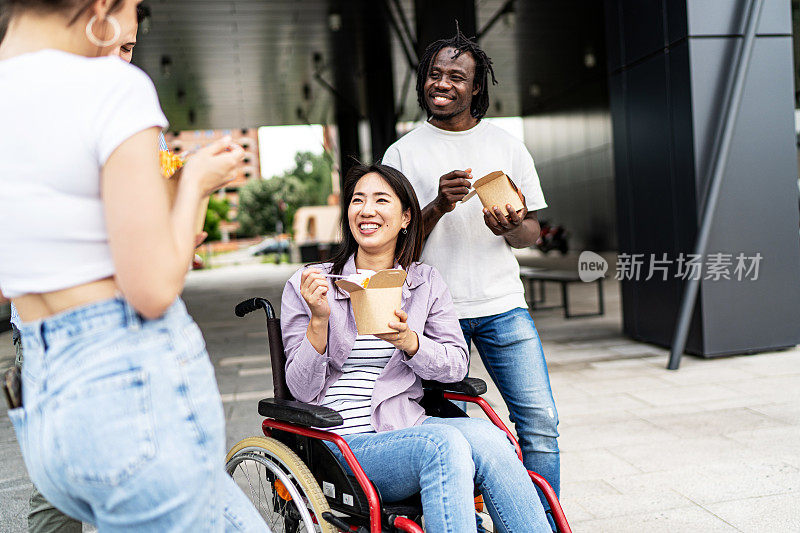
(351, 394)
(162, 143)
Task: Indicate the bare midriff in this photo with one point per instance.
(37, 306)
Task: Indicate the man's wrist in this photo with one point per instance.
(437, 209)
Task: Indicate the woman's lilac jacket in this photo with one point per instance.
(442, 354)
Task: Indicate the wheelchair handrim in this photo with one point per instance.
(258, 454)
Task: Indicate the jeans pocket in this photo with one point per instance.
(104, 431)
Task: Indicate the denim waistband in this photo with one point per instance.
(91, 318)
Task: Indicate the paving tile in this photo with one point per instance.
(611, 505)
(13, 467)
(668, 455)
(771, 364)
(574, 512)
(688, 394)
(593, 373)
(779, 442)
(595, 419)
(593, 464)
(711, 423)
(711, 483)
(14, 508)
(707, 371)
(768, 513)
(589, 488)
(769, 388)
(611, 435)
(788, 412)
(598, 404)
(690, 409)
(684, 519)
(620, 385)
(637, 349)
(649, 362)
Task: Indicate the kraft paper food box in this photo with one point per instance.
(375, 304)
(497, 189)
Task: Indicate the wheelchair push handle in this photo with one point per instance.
(253, 304)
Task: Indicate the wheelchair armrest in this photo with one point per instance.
(302, 414)
(468, 386)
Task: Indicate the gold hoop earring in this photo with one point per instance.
(93, 38)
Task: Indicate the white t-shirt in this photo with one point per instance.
(478, 266)
(62, 117)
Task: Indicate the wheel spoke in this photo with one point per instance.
(298, 513)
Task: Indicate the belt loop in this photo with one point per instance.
(42, 337)
(132, 318)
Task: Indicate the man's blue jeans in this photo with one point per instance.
(511, 351)
(443, 459)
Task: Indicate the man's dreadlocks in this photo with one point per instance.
(483, 68)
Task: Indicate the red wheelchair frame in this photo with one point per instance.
(283, 396)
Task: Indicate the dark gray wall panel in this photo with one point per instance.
(613, 15)
(666, 110)
(643, 28)
(757, 212)
(677, 22)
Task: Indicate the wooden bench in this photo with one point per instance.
(530, 275)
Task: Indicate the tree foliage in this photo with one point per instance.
(216, 213)
(264, 203)
(314, 170)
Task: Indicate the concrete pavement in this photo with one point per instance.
(712, 447)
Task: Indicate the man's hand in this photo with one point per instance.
(499, 223)
(453, 186)
(403, 338)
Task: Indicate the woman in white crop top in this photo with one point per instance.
(121, 424)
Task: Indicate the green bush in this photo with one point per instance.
(216, 213)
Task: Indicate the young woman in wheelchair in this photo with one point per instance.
(374, 382)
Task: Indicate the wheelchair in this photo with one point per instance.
(296, 482)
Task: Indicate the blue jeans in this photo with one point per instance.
(511, 351)
(443, 459)
(122, 424)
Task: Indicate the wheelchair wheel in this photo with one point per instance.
(279, 484)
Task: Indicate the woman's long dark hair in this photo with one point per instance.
(409, 245)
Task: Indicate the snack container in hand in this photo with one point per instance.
(496, 189)
(374, 306)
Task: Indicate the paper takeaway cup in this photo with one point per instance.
(374, 306)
